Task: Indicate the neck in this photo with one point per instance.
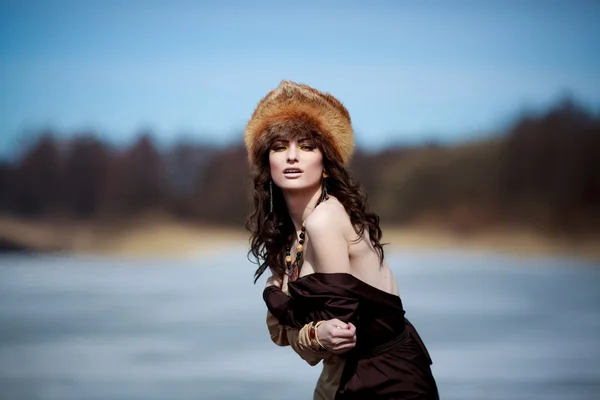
(301, 203)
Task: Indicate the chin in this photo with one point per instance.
(297, 186)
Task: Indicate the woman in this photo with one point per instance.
(312, 229)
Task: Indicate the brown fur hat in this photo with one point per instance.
(298, 107)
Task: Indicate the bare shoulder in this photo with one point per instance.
(329, 216)
(328, 247)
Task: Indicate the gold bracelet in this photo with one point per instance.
(316, 327)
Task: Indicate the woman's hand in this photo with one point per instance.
(337, 336)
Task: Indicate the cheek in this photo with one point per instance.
(316, 167)
(275, 161)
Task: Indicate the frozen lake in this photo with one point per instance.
(497, 327)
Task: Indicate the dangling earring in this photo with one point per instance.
(270, 197)
(324, 194)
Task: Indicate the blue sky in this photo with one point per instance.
(408, 71)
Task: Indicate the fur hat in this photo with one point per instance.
(299, 107)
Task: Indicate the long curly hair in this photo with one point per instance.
(271, 232)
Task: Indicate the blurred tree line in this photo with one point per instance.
(544, 172)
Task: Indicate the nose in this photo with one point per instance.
(292, 154)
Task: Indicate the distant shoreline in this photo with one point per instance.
(165, 237)
(520, 242)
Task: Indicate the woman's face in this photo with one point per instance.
(296, 164)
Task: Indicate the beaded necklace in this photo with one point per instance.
(293, 269)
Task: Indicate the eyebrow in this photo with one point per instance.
(307, 139)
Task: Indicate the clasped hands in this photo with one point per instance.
(337, 336)
(334, 335)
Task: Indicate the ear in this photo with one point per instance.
(325, 174)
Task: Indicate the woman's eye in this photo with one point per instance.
(278, 148)
(307, 147)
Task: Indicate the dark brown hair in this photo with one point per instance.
(271, 232)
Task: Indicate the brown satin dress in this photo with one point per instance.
(390, 361)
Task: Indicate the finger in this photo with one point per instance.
(337, 341)
(338, 323)
(345, 342)
(342, 349)
(343, 333)
(345, 346)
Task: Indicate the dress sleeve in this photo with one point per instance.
(298, 339)
(276, 331)
(302, 308)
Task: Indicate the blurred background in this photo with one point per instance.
(124, 189)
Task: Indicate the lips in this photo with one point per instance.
(292, 171)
